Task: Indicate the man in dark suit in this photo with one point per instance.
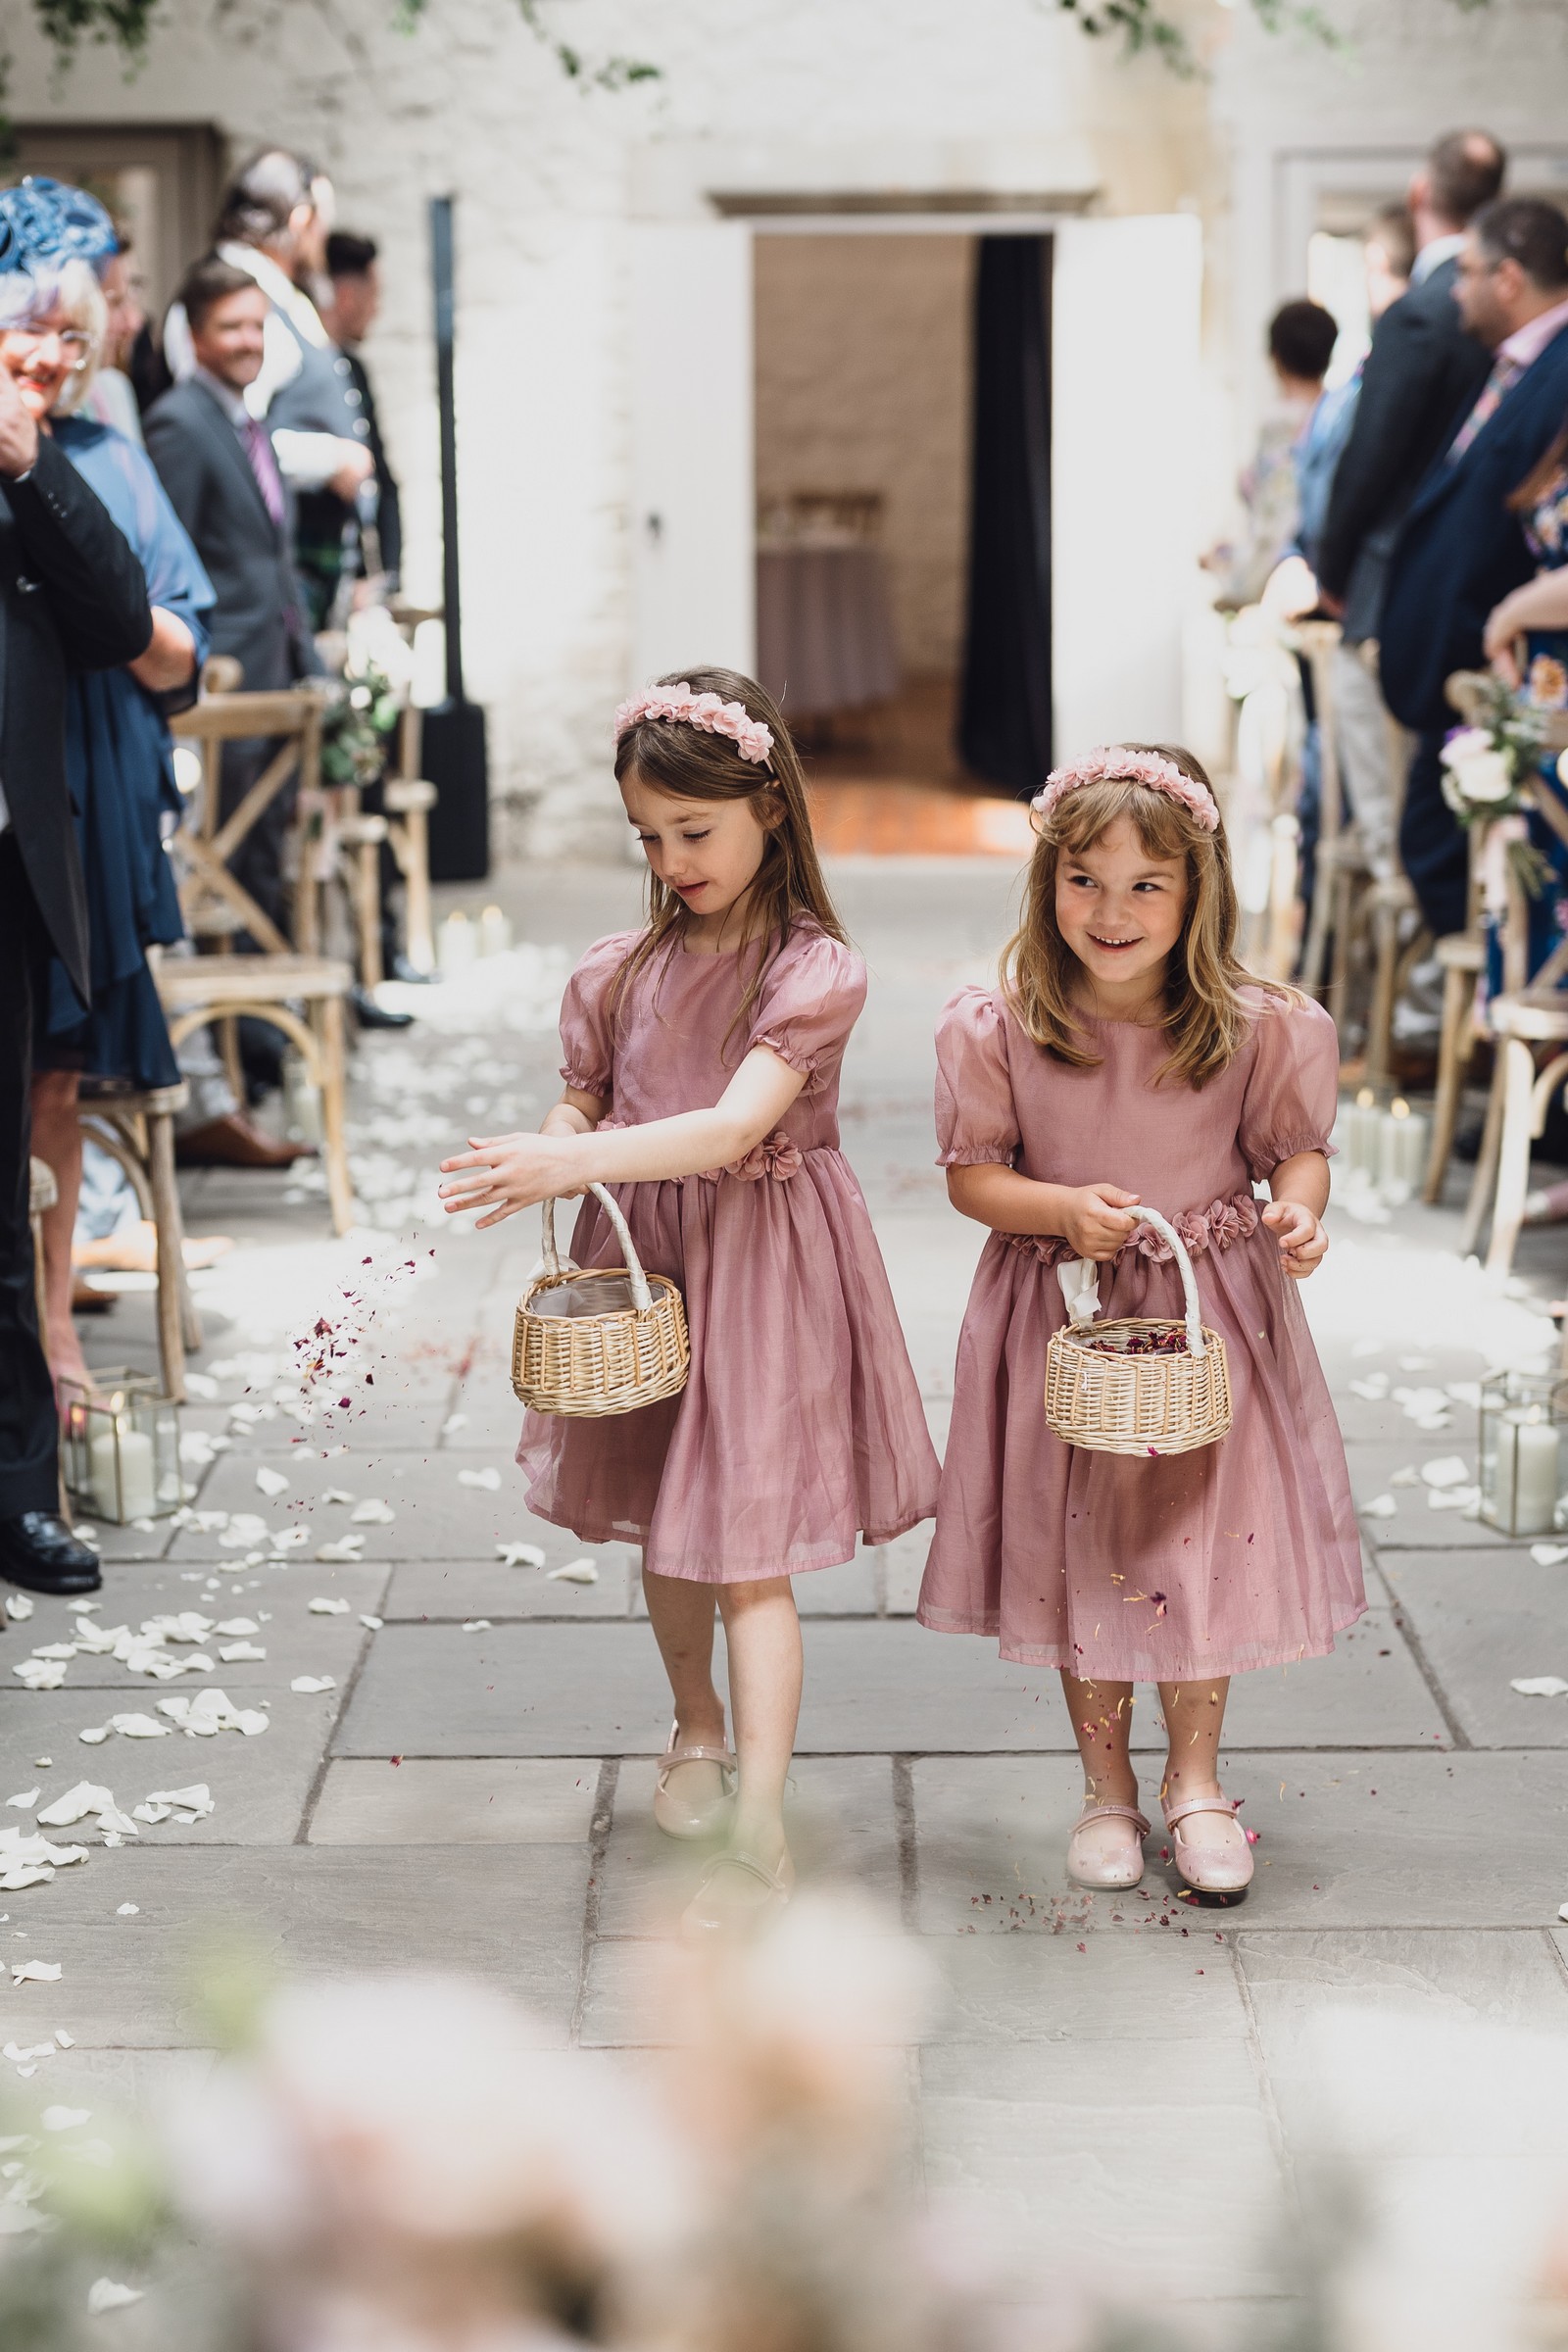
(353, 266)
(71, 597)
(1461, 548)
(1421, 375)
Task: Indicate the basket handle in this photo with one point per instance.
(641, 1295)
(1184, 1267)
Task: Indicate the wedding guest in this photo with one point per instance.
(1302, 336)
(1462, 546)
(353, 274)
(72, 598)
(273, 226)
(118, 763)
(110, 395)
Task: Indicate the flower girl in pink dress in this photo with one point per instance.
(1128, 1060)
(701, 1060)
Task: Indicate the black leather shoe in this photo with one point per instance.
(370, 1015)
(40, 1551)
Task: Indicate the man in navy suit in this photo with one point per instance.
(1461, 549)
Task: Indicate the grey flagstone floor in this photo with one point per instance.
(1125, 2087)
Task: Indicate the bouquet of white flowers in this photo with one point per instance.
(1487, 771)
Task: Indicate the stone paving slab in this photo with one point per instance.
(438, 1517)
(456, 1800)
(843, 1823)
(259, 1784)
(1416, 1526)
(1348, 1842)
(1447, 1979)
(307, 1910)
(1483, 1621)
(1139, 1990)
(296, 1642)
(1069, 2149)
(447, 1590)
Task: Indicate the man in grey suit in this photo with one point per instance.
(218, 464)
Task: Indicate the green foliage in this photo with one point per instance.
(1143, 25)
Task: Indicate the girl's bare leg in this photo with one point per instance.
(57, 1140)
(1195, 1716)
(681, 1614)
(1101, 1715)
(762, 1634)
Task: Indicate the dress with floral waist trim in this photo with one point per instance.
(776, 1156)
(1232, 1219)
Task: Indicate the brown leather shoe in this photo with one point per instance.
(236, 1142)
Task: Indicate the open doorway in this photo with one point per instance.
(866, 389)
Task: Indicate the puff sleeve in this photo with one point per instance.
(977, 1119)
(587, 1043)
(1292, 1091)
(810, 1000)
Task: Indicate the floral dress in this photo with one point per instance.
(800, 1423)
(1243, 1553)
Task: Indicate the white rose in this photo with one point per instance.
(1484, 776)
(1465, 745)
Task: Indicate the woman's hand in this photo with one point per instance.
(1498, 639)
(1095, 1218)
(503, 1173)
(1302, 1237)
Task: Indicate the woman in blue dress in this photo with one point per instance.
(119, 758)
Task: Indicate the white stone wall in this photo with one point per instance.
(863, 383)
(822, 96)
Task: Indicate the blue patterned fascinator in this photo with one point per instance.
(44, 222)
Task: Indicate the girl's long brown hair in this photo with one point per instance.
(693, 765)
(1204, 1017)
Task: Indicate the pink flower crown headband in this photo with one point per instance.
(709, 711)
(1113, 763)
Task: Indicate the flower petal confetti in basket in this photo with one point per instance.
(1136, 1384)
(598, 1340)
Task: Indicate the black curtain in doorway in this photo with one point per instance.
(1005, 708)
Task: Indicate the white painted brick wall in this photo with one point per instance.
(819, 94)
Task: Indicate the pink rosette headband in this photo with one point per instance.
(1113, 763)
(752, 739)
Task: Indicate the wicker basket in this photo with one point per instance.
(598, 1340)
(1150, 1404)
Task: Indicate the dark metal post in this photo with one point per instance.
(454, 749)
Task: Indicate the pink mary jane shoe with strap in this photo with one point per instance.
(1120, 1869)
(1224, 1867)
(680, 1814)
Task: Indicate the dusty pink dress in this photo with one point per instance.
(800, 1423)
(1243, 1553)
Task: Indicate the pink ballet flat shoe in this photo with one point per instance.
(1219, 1870)
(681, 1816)
(1110, 1870)
(735, 1894)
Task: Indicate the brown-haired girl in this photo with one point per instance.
(701, 1068)
(1128, 1060)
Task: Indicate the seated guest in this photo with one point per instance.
(1463, 547)
(118, 755)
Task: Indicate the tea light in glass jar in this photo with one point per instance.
(120, 1473)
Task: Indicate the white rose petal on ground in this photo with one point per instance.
(237, 1628)
(1381, 1506)
(1373, 1388)
(478, 1625)
(94, 1735)
(488, 1480)
(195, 1801)
(322, 1606)
(1544, 1556)
(141, 1727)
(241, 1653)
(76, 1805)
(292, 1539)
(270, 1481)
(1455, 1499)
(576, 1572)
(345, 1552)
(64, 2119)
(110, 2294)
(1408, 1476)
(25, 1800)
(129, 1911)
(40, 1674)
(371, 1512)
(1540, 1686)
(337, 1495)
(520, 1555)
(35, 1971)
(372, 1624)
(1449, 1470)
(308, 1684)
(19, 1607)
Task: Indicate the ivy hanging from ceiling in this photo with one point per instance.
(1143, 26)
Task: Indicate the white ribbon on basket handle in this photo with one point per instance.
(1078, 1277)
(641, 1295)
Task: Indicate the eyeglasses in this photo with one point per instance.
(71, 339)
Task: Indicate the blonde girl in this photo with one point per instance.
(702, 1058)
(1127, 1059)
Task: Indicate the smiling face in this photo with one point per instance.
(707, 852)
(42, 358)
(1121, 910)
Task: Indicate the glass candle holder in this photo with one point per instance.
(1524, 1452)
(121, 1443)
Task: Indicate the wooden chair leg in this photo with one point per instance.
(229, 1036)
(1453, 1059)
(327, 1019)
(419, 921)
(178, 1327)
(1486, 1175)
(1380, 1019)
(1513, 1155)
(368, 913)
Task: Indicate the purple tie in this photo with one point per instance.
(264, 465)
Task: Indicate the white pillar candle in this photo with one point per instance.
(134, 1496)
(456, 946)
(495, 932)
(1527, 1475)
(1415, 1135)
(1363, 1122)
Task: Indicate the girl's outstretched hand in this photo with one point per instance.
(1096, 1219)
(503, 1173)
(1302, 1237)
